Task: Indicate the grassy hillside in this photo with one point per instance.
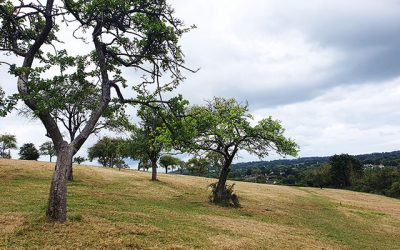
(124, 210)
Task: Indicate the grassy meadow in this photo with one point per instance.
(111, 209)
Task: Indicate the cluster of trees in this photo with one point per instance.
(27, 151)
(345, 171)
(338, 171)
(73, 94)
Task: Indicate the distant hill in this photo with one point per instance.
(385, 158)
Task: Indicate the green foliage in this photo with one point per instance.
(79, 159)
(107, 151)
(228, 198)
(224, 123)
(319, 177)
(169, 161)
(145, 143)
(7, 103)
(198, 166)
(47, 148)
(394, 190)
(28, 151)
(215, 160)
(344, 168)
(7, 141)
(383, 180)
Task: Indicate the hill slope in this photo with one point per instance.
(384, 158)
(122, 209)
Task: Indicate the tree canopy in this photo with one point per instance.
(79, 159)
(169, 161)
(7, 141)
(107, 151)
(28, 151)
(47, 148)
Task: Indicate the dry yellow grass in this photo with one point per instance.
(111, 209)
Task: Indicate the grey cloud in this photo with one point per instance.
(366, 34)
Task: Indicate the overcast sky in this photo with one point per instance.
(329, 70)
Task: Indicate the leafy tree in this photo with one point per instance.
(223, 126)
(71, 94)
(47, 148)
(28, 151)
(7, 141)
(106, 150)
(198, 166)
(144, 164)
(169, 161)
(144, 144)
(182, 166)
(344, 168)
(79, 159)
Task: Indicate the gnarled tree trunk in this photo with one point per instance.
(223, 176)
(219, 191)
(57, 206)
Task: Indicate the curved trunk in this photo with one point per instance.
(219, 191)
(57, 206)
(153, 170)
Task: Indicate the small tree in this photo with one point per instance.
(223, 126)
(144, 144)
(47, 148)
(7, 141)
(169, 161)
(79, 159)
(106, 150)
(28, 151)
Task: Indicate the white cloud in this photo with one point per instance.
(349, 119)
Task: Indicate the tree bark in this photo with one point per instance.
(166, 170)
(154, 170)
(57, 206)
(219, 191)
(70, 173)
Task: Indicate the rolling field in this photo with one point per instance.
(111, 209)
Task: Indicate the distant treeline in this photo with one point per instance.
(385, 158)
(375, 173)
